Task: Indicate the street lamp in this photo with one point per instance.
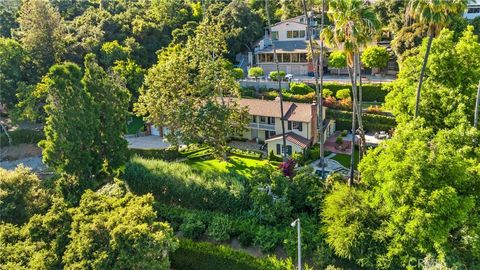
(299, 242)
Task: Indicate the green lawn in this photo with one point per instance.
(239, 165)
(135, 125)
(344, 159)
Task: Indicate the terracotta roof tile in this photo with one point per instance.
(300, 112)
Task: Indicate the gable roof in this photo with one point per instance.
(293, 138)
(300, 112)
(290, 20)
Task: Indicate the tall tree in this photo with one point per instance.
(449, 97)
(41, 33)
(434, 14)
(354, 23)
(110, 99)
(418, 197)
(194, 85)
(70, 124)
(12, 61)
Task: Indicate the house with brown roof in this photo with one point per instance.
(300, 124)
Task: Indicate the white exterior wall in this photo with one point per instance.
(282, 29)
(290, 68)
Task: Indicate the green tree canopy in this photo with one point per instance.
(448, 97)
(256, 72)
(375, 57)
(118, 233)
(337, 59)
(417, 196)
(41, 32)
(71, 122)
(12, 64)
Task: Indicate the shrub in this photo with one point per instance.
(327, 93)
(267, 238)
(20, 136)
(192, 227)
(375, 109)
(220, 228)
(247, 92)
(300, 89)
(163, 154)
(237, 73)
(343, 94)
(344, 133)
(339, 140)
(256, 72)
(244, 153)
(298, 158)
(271, 95)
(276, 75)
(206, 256)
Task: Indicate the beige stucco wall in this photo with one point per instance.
(306, 128)
(272, 145)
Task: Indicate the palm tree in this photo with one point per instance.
(354, 23)
(435, 14)
(318, 64)
(280, 95)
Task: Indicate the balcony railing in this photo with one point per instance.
(262, 126)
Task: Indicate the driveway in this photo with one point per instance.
(147, 142)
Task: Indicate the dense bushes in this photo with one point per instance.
(244, 153)
(20, 136)
(164, 154)
(206, 256)
(179, 184)
(371, 122)
(300, 89)
(370, 92)
(306, 94)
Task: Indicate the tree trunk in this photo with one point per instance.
(318, 88)
(320, 95)
(352, 73)
(361, 131)
(422, 73)
(280, 96)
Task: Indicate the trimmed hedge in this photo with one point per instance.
(370, 92)
(244, 153)
(206, 256)
(372, 122)
(20, 136)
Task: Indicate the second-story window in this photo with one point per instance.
(254, 118)
(274, 35)
(263, 119)
(296, 34)
(297, 125)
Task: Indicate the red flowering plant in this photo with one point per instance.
(287, 167)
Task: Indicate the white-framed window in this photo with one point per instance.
(297, 125)
(474, 10)
(263, 119)
(274, 35)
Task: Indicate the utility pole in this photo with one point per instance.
(280, 95)
(318, 88)
(299, 242)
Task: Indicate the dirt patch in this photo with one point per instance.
(20, 151)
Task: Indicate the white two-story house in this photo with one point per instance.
(300, 124)
(290, 38)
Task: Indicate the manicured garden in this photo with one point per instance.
(234, 164)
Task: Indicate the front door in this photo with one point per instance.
(267, 135)
(254, 133)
